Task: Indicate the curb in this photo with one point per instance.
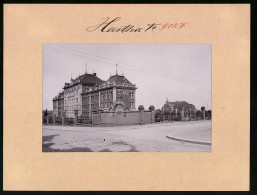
(189, 141)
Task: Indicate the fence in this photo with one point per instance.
(69, 121)
(66, 121)
(84, 120)
(58, 120)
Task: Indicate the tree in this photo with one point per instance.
(141, 108)
(167, 114)
(198, 113)
(158, 113)
(151, 108)
(209, 113)
(45, 114)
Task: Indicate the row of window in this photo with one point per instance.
(96, 105)
(96, 96)
(86, 98)
(104, 95)
(85, 113)
(70, 113)
(72, 107)
(93, 106)
(71, 100)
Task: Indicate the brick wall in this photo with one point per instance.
(123, 118)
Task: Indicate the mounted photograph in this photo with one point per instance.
(127, 97)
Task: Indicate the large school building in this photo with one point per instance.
(88, 93)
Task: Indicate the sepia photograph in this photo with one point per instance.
(99, 98)
(126, 97)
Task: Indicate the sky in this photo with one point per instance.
(177, 72)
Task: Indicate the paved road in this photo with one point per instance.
(145, 138)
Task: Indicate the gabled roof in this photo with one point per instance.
(180, 104)
(86, 79)
(89, 79)
(58, 97)
(177, 103)
(118, 79)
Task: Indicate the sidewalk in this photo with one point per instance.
(197, 137)
(125, 127)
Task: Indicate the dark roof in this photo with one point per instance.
(119, 79)
(86, 79)
(89, 79)
(179, 104)
(58, 97)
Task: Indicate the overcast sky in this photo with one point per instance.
(175, 71)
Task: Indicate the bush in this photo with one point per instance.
(151, 108)
(141, 107)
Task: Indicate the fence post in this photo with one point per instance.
(92, 119)
(152, 115)
(100, 118)
(63, 120)
(141, 117)
(75, 117)
(182, 114)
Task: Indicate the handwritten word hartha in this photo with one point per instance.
(112, 25)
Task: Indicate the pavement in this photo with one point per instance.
(158, 137)
(197, 137)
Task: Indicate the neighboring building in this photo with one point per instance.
(58, 105)
(88, 93)
(178, 110)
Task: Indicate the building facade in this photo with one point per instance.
(88, 93)
(179, 110)
(115, 94)
(58, 105)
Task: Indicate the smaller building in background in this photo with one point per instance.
(58, 105)
(179, 110)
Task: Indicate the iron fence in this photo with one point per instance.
(69, 120)
(45, 120)
(58, 120)
(50, 120)
(84, 120)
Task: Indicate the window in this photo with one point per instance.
(76, 100)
